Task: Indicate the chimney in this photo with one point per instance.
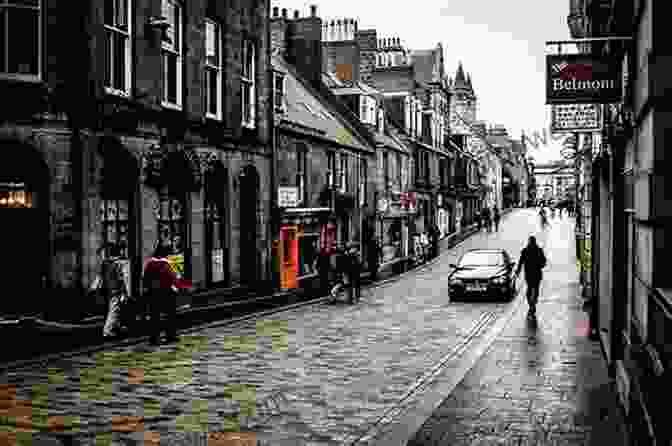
(367, 42)
(278, 27)
(304, 46)
(313, 10)
(275, 11)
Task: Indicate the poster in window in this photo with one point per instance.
(217, 257)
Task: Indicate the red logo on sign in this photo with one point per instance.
(580, 72)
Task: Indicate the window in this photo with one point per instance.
(386, 170)
(343, 173)
(172, 227)
(381, 120)
(171, 55)
(118, 46)
(114, 219)
(362, 181)
(279, 92)
(331, 174)
(247, 86)
(301, 154)
(20, 37)
(399, 169)
(213, 70)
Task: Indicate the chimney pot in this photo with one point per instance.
(296, 13)
(275, 11)
(284, 13)
(313, 10)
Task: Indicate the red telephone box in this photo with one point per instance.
(289, 257)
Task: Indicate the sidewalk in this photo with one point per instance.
(539, 383)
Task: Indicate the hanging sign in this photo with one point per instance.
(566, 118)
(582, 79)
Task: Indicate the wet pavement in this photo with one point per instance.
(315, 375)
(540, 383)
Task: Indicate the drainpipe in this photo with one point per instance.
(274, 227)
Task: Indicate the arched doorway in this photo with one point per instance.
(24, 229)
(216, 252)
(249, 198)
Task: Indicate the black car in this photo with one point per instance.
(486, 272)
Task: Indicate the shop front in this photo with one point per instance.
(24, 230)
(302, 231)
(395, 214)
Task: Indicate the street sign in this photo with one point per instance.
(288, 196)
(566, 118)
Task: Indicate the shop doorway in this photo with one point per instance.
(249, 198)
(24, 231)
(216, 250)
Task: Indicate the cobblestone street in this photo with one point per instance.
(317, 375)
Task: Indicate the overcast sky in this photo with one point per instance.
(500, 44)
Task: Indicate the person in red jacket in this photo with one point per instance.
(160, 283)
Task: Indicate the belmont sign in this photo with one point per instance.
(582, 79)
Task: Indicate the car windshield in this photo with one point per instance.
(482, 259)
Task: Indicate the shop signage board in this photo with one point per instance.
(567, 118)
(583, 79)
(288, 196)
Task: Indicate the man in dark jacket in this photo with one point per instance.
(534, 260)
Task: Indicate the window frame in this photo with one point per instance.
(248, 80)
(217, 69)
(301, 172)
(279, 93)
(128, 69)
(8, 5)
(169, 48)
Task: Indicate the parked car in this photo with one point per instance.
(483, 272)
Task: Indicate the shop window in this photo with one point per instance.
(114, 219)
(15, 195)
(308, 251)
(172, 228)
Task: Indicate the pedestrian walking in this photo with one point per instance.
(434, 235)
(111, 284)
(372, 253)
(543, 218)
(479, 223)
(160, 283)
(349, 267)
(486, 219)
(533, 259)
(496, 217)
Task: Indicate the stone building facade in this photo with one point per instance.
(163, 140)
(323, 150)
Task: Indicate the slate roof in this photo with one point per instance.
(306, 109)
